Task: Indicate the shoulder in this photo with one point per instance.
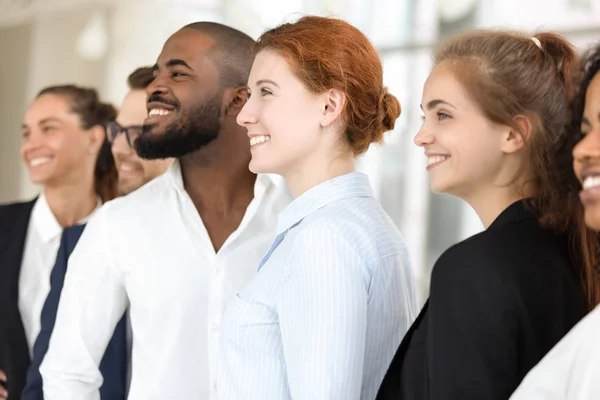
(501, 248)
(13, 211)
(507, 257)
(359, 227)
(130, 213)
(323, 232)
(134, 204)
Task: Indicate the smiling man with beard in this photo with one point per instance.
(177, 250)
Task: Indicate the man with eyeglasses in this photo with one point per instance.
(134, 171)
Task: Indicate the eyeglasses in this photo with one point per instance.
(113, 130)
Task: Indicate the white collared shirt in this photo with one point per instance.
(39, 256)
(150, 251)
(329, 306)
(570, 370)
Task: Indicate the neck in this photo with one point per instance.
(316, 171)
(490, 204)
(71, 203)
(217, 182)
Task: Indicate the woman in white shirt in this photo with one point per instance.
(334, 295)
(571, 369)
(65, 151)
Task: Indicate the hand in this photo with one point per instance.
(3, 392)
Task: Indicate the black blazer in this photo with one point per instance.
(499, 301)
(14, 353)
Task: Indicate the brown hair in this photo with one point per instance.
(328, 53)
(92, 112)
(140, 78)
(509, 73)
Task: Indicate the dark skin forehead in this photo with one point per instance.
(195, 49)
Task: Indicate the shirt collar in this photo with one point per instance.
(355, 184)
(516, 212)
(45, 222)
(263, 181)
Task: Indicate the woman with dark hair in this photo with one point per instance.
(66, 152)
(495, 107)
(571, 369)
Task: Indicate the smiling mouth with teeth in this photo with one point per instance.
(591, 182)
(38, 161)
(155, 112)
(259, 139)
(434, 160)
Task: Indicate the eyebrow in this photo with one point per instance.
(44, 121)
(172, 63)
(51, 119)
(261, 81)
(437, 102)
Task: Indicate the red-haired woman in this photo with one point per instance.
(334, 294)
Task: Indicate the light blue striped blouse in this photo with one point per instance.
(329, 305)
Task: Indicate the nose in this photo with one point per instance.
(157, 86)
(423, 137)
(120, 147)
(588, 147)
(31, 142)
(247, 115)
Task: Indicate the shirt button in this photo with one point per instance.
(218, 272)
(216, 326)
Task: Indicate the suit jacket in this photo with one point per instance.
(14, 353)
(499, 301)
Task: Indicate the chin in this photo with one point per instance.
(256, 167)
(260, 165)
(438, 187)
(592, 217)
(38, 179)
(126, 187)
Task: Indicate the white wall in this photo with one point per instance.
(14, 75)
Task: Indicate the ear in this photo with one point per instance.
(334, 102)
(236, 98)
(517, 135)
(97, 136)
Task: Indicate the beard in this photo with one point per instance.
(193, 129)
